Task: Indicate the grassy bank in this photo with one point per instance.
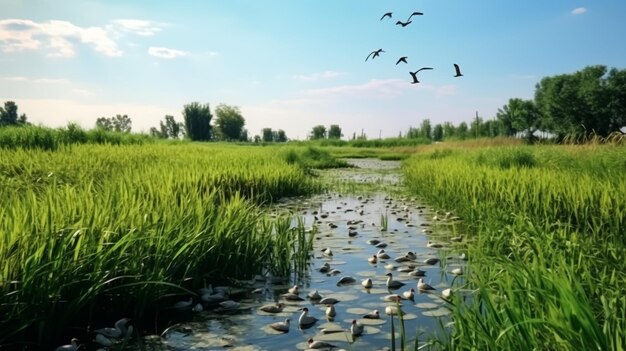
(547, 266)
(92, 231)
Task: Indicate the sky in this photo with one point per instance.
(293, 65)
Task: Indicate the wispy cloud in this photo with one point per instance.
(15, 79)
(579, 11)
(165, 53)
(445, 90)
(375, 87)
(52, 81)
(57, 38)
(318, 76)
(136, 26)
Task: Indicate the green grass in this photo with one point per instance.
(547, 252)
(85, 223)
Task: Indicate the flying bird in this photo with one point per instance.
(376, 53)
(388, 14)
(414, 74)
(403, 24)
(402, 59)
(415, 14)
(458, 70)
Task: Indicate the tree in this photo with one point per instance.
(267, 135)
(461, 130)
(171, 128)
(257, 139)
(426, 129)
(229, 121)
(244, 135)
(525, 117)
(197, 121)
(448, 130)
(118, 123)
(318, 132)
(334, 132)
(9, 116)
(282, 137)
(505, 118)
(616, 84)
(438, 132)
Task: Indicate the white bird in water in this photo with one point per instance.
(197, 308)
(305, 319)
(393, 284)
(417, 273)
(431, 261)
(356, 329)
(393, 310)
(281, 326)
(392, 298)
(319, 344)
(294, 290)
(183, 305)
(73, 346)
(446, 293)
(346, 280)
(434, 245)
(330, 311)
(327, 252)
(367, 283)
(314, 295)
(291, 297)
(457, 271)
(373, 259)
(409, 294)
(325, 268)
(276, 308)
(372, 315)
(117, 331)
(373, 241)
(423, 286)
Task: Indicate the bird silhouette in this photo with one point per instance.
(414, 74)
(415, 14)
(388, 14)
(403, 24)
(376, 53)
(458, 70)
(402, 59)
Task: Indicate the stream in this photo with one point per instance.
(348, 224)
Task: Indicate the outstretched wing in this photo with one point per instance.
(415, 14)
(423, 68)
(388, 14)
(371, 53)
(458, 70)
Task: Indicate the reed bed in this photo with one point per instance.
(91, 231)
(547, 269)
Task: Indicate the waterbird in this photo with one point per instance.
(373, 241)
(431, 261)
(291, 297)
(409, 295)
(382, 254)
(417, 273)
(388, 14)
(276, 308)
(197, 308)
(393, 284)
(415, 14)
(423, 286)
(103, 340)
(457, 69)
(305, 319)
(330, 311)
(457, 239)
(281, 326)
(328, 301)
(392, 298)
(375, 54)
(446, 293)
(381, 245)
(463, 257)
(403, 24)
(457, 271)
(73, 346)
(229, 305)
(325, 268)
(393, 310)
(294, 290)
(313, 344)
(402, 59)
(346, 280)
(314, 295)
(372, 315)
(434, 245)
(373, 259)
(356, 329)
(367, 283)
(183, 305)
(117, 331)
(327, 251)
(414, 74)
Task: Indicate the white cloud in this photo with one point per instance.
(57, 38)
(136, 26)
(318, 76)
(579, 11)
(15, 79)
(52, 81)
(165, 53)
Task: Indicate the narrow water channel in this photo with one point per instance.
(349, 225)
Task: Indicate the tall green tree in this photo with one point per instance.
(505, 117)
(282, 136)
(9, 115)
(448, 130)
(117, 123)
(334, 132)
(318, 132)
(267, 135)
(229, 121)
(461, 130)
(526, 117)
(426, 129)
(197, 121)
(616, 85)
(438, 132)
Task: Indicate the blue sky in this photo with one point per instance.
(292, 65)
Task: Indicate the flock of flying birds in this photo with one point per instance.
(374, 54)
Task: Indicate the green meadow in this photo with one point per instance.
(92, 226)
(547, 243)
